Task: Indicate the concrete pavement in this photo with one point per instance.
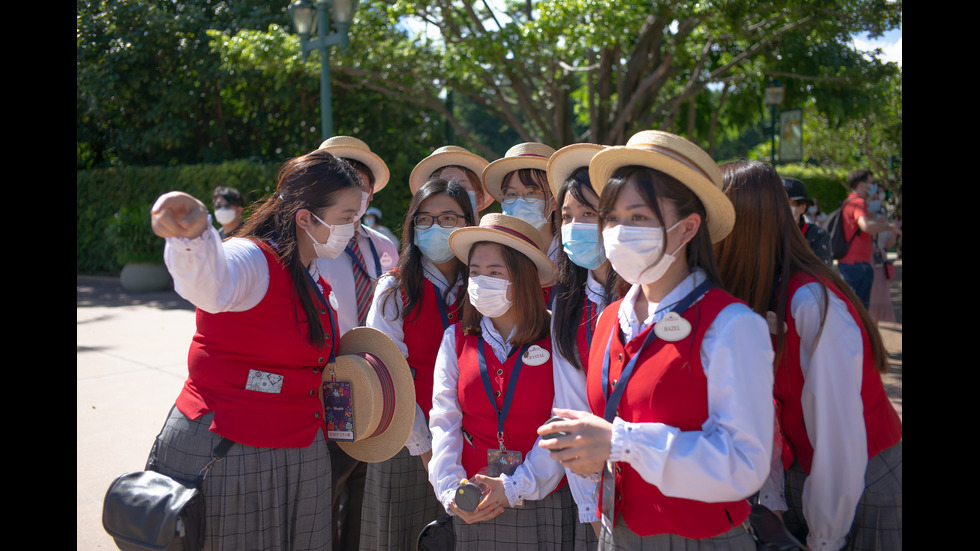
(131, 361)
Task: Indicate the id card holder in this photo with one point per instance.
(502, 461)
(608, 496)
(338, 411)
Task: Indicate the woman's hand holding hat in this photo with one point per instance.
(177, 214)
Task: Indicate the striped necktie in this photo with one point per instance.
(362, 282)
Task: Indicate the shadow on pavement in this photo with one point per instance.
(92, 291)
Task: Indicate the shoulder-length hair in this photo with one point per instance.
(312, 182)
(569, 290)
(408, 272)
(533, 318)
(655, 186)
(766, 247)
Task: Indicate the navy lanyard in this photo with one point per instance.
(442, 307)
(511, 385)
(590, 312)
(612, 402)
(333, 328)
(374, 255)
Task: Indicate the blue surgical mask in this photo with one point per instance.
(581, 243)
(874, 206)
(527, 211)
(472, 194)
(873, 190)
(434, 243)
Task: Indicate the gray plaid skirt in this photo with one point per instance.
(546, 525)
(877, 522)
(622, 538)
(398, 503)
(256, 498)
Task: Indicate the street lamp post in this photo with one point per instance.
(307, 19)
(774, 97)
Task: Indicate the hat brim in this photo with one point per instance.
(494, 173)
(567, 160)
(377, 166)
(719, 209)
(461, 241)
(425, 168)
(384, 446)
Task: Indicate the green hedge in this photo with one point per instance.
(828, 188)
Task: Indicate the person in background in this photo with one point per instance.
(880, 303)
(228, 206)
(352, 275)
(841, 451)
(266, 329)
(454, 164)
(679, 378)
(855, 266)
(817, 237)
(424, 293)
(372, 219)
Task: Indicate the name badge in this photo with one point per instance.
(502, 461)
(386, 260)
(338, 411)
(261, 381)
(672, 327)
(333, 300)
(535, 355)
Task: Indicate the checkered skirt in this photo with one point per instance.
(624, 539)
(256, 498)
(398, 503)
(878, 518)
(544, 525)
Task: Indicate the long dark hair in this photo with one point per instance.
(569, 291)
(766, 247)
(652, 185)
(310, 182)
(408, 273)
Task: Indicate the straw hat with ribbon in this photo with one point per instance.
(522, 155)
(382, 393)
(510, 231)
(567, 160)
(353, 148)
(449, 155)
(673, 155)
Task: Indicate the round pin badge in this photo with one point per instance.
(536, 355)
(772, 321)
(333, 300)
(672, 327)
(386, 259)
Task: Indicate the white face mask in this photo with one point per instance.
(633, 252)
(339, 238)
(225, 215)
(489, 295)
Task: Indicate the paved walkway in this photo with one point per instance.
(131, 354)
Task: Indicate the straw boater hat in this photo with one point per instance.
(567, 160)
(510, 231)
(353, 148)
(382, 393)
(522, 155)
(445, 156)
(679, 158)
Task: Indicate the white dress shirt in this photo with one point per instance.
(384, 317)
(833, 412)
(339, 272)
(729, 458)
(534, 479)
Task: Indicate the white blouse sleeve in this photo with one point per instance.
(446, 423)
(729, 458)
(216, 276)
(834, 415)
(536, 477)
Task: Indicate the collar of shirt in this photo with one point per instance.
(594, 291)
(500, 346)
(435, 276)
(632, 326)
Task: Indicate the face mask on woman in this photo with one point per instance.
(581, 243)
(633, 252)
(489, 295)
(225, 215)
(434, 243)
(528, 211)
(336, 243)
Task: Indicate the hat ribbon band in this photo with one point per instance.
(531, 155)
(514, 233)
(677, 156)
(387, 391)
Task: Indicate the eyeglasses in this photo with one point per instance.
(529, 194)
(425, 221)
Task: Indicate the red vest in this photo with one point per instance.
(534, 395)
(881, 422)
(271, 337)
(667, 386)
(423, 335)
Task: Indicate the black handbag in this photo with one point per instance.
(438, 535)
(147, 510)
(769, 531)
